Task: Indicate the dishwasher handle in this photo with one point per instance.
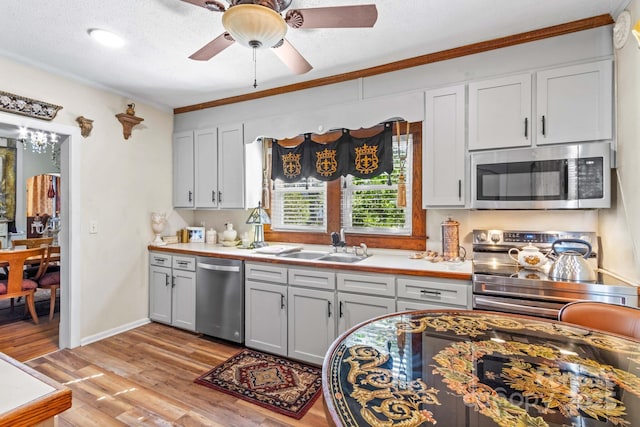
(229, 268)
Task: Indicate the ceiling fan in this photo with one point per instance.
(259, 24)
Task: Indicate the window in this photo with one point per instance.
(299, 206)
(319, 206)
(370, 205)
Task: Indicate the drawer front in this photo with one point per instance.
(374, 284)
(184, 263)
(412, 305)
(318, 279)
(437, 291)
(266, 273)
(163, 260)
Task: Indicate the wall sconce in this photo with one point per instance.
(258, 218)
(86, 125)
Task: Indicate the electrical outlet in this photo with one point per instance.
(93, 227)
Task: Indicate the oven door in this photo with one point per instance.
(546, 309)
(532, 178)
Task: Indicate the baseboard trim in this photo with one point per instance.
(115, 331)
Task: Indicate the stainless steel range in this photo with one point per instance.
(501, 284)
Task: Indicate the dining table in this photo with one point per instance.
(469, 368)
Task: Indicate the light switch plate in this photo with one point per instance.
(93, 227)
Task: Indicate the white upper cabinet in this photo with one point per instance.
(231, 167)
(443, 152)
(183, 170)
(214, 168)
(500, 112)
(574, 104)
(206, 171)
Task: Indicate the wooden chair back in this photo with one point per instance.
(35, 242)
(15, 261)
(614, 318)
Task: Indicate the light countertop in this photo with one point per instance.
(28, 397)
(381, 260)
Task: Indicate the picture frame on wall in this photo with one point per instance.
(196, 234)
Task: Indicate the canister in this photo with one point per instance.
(450, 239)
(211, 237)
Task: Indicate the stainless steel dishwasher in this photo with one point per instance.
(220, 298)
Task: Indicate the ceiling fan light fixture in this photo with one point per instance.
(106, 38)
(254, 26)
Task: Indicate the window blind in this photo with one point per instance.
(369, 205)
(299, 206)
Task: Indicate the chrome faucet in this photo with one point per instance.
(364, 250)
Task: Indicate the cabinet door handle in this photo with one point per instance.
(213, 196)
(526, 128)
(329, 309)
(340, 312)
(425, 291)
(459, 189)
(544, 130)
(190, 195)
(219, 196)
(166, 279)
(173, 281)
(281, 302)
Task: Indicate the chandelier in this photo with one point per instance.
(38, 139)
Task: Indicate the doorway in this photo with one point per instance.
(69, 237)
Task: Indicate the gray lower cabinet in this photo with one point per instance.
(431, 293)
(362, 297)
(312, 323)
(266, 308)
(172, 290)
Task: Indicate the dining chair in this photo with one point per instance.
(34, 242)
(614, 318)
(16, 285)
(49, 276)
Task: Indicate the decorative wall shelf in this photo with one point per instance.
(128, 122)
(17, 104)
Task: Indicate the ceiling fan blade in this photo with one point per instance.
(364, 15)
(213, 48)
(292, 58)
(212, 5)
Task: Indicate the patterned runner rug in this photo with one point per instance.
(278, 384)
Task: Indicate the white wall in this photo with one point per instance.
(120, 182)
(620, 225)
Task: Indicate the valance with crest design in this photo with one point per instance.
(347, 155)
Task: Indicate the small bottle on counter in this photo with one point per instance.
(211, 237)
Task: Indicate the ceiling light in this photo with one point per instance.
(254, 26)
(106, 38)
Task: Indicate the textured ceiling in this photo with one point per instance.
(153, 66)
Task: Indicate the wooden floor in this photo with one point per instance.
(23, 340)
(144, 377)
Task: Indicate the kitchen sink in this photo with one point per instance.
(346, 258)
(323, 256)
(304, 255)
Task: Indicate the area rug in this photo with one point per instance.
(281, 385)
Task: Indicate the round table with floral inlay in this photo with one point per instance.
(476, 369)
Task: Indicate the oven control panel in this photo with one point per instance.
(511, 238)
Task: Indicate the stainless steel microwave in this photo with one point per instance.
(573, 176)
